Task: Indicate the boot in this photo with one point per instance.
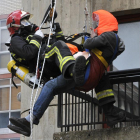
(21, 126)
(79, 70)
(113, 114)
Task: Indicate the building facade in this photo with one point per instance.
(72, 19)
(9, 105)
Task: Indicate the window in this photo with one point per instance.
(4, 53)
(9, 105)
(129, 31)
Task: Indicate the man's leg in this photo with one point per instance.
(106, 99)
(50, 89)
(60, 54)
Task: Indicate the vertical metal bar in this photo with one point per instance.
(78, 111)
(65, 111)
(95, 113)
(59, 117)
(62, 111)
(72, 112)
(125, 100)
(139, 98)
(68, 111)
(85, 110)
(75, 112)
(118, 95)
(119, 98)
(87, 114)
(132, 107)
(92, 109)
(82, 115)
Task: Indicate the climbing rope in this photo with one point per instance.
(87, 18)
(53, 7)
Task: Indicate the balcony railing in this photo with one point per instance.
(80, 110)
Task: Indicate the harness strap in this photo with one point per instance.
(98, 53)
(13, 71)
(87, 63)
(87, 73)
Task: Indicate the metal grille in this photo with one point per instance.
(80, 111)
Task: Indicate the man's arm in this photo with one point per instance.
(95, 42)
(26, 50)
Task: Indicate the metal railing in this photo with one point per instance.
(80, 110)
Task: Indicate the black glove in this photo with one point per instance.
(35, 27)
(121, 47)
(57, 27)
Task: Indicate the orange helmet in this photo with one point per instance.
(14, 20)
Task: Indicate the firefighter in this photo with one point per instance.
(102, 48)
(26, 39)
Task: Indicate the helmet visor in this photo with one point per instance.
(25, 22)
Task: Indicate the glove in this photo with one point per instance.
(121, 44)
(57, 27)
(35, 27)
(39, 33)
(121, 47)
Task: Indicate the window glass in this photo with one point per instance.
(15, 103)
(15, 114)
(4, 99)
(4, 120)
(4, 38)
(4, 59)
(3, 47)
(130, 34)
(3, 23)
(4, 82)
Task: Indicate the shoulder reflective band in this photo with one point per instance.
(98, 53)
(59, 34)
(35, 43)
(28, 37)
(62, 61)
(104, 94)
(17, 58)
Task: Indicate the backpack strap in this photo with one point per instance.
(13, 71)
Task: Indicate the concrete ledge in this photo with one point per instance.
(125, 133)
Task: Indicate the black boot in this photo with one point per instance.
(21, 126)
(79, 70)
(113, 114)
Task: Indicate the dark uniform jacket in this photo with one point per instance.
(25, 50)
(106, 44)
